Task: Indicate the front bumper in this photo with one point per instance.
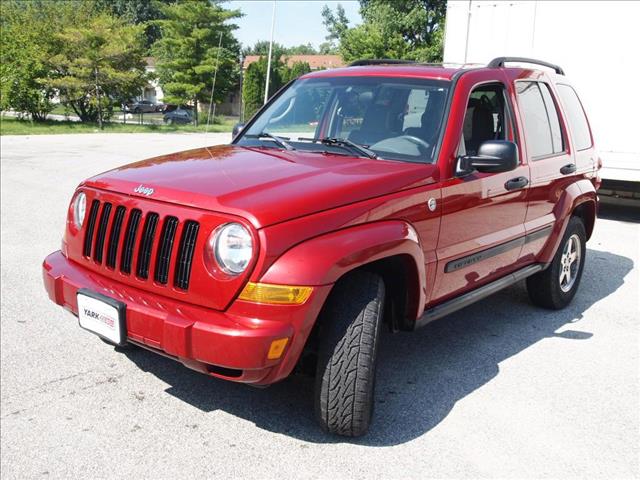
(232, 344)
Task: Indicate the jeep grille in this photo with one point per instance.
(140, 245)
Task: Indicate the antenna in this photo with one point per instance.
(273, 24)
(213, 85)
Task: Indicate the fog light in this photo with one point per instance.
(275, 294)
(277, 348)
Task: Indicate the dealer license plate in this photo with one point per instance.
(102, 315)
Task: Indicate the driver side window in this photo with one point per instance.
(487, 118)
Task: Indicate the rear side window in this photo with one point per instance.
(541, 122)
(554, 121)
(577, 117)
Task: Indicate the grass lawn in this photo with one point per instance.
(13, 126)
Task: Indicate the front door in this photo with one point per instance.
(482, 229)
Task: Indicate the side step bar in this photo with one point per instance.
(467, 299)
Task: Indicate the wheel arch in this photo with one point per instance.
(402, 289)
(577, 199)
(390, 248)
(586, 211)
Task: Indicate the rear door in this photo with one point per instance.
(482, 228)
(552, 163)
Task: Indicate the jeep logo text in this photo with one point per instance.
(141, 189)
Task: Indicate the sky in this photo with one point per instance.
(297, 22)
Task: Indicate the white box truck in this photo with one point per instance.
(597, 43)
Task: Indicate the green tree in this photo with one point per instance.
(187, 52)
(137, 12)
(254, 81)
(336, 24)
(327, 48)
(261, 48)
(294, 71)
(410, 29)
(27, 41)
(99, 63)
(307, 49)
(372, 40)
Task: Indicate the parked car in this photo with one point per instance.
(143, 106)
(178, 116)
(336, 212)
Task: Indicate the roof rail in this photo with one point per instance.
(500, 61)
(380, 61)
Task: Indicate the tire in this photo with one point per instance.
(349, 336)
(548, 288)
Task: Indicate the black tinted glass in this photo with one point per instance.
(577, 118)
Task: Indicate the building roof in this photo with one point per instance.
(316, 62)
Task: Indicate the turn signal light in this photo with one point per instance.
(275, 294)
(277, 348)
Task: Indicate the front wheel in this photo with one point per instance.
(349, 336)
(556, 286)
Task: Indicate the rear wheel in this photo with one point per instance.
(556, 286)
(349, 336)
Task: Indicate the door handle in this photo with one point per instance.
(568, 168)
(516, 183)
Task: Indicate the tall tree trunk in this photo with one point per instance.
(195, 111)
(76, 110)
(98, 99)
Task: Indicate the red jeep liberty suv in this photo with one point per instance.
(381, 193)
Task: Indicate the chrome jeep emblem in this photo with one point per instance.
(141, 189)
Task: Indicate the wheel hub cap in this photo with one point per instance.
(570, 263)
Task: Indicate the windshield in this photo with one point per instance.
(377, 117)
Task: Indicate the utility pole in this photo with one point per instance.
(273, 24)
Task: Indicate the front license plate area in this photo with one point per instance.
(103, 316)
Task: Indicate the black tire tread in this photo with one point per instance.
(346, 365)
(544, 287)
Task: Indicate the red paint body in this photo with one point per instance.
(315, 217)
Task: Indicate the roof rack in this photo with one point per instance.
(381, 61)
(500, 61)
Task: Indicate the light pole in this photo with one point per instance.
(273, 24)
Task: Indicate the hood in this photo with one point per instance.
(263, 185)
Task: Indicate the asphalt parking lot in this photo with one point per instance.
(499, 389)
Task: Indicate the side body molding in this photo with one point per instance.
(324, 259)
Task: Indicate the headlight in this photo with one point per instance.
(232, 247)
(79, 209)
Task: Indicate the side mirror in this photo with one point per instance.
(237, 128)
(494, 156)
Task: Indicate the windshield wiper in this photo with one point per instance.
(343, 142)
(278, 140)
